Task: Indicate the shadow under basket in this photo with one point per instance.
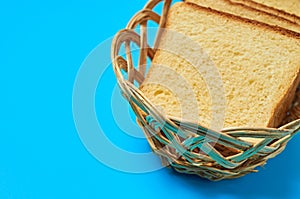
(189, 147)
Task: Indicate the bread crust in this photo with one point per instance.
(257, 11)
(280, 109)
(269, 9)
(266, 26)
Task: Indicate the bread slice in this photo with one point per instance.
(259, 66)
(289, 9)
(247, 12)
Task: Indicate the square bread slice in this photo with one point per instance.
(258, 64)
(289, 9)
(247, 12)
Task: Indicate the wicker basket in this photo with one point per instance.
(185, 146)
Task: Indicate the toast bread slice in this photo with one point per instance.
(259, 65)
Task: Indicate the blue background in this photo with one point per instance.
(42, 46)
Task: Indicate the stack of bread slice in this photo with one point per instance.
(288, 9)
(256, 13)
(256, 54)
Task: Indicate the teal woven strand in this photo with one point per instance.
(219, 159)
(182, 151)
(252, 151)
(191, 141)
(226, 140)
(259, 134)
(171, 138)
(179, 149)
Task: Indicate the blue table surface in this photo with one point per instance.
(45, 153)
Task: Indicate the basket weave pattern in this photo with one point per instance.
(188, 147)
